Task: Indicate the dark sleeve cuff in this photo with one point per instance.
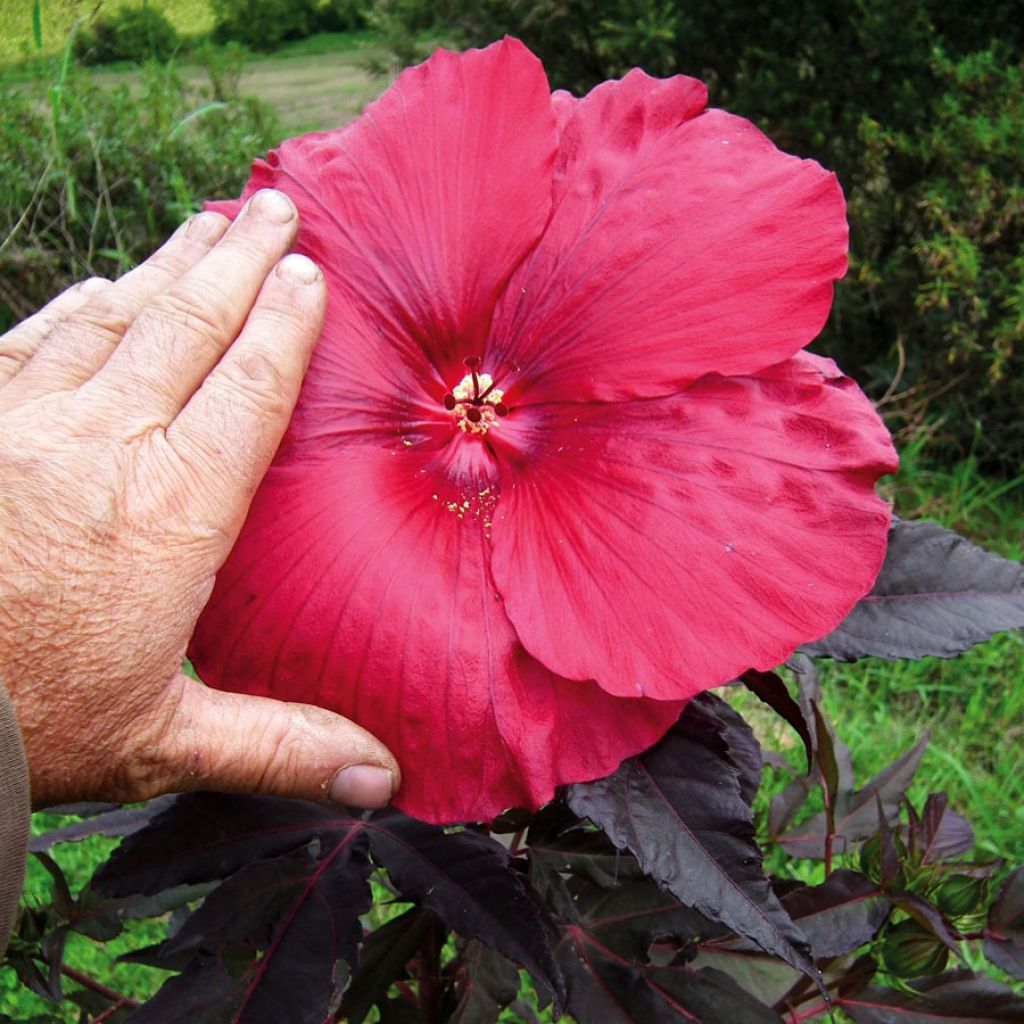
(14, 816)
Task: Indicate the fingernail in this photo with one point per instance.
(298, 269)
(272, 205)
(205, 227)
(361, 785)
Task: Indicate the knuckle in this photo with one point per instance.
(93, 285)
(100, 323)
(173, 318)
(283, 324)
(14, 353)
(200, 312)
(252, 378)
(250, 250)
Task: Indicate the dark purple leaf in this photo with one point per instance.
(103, 919)
(941, 834)
(385, 953)
(205, 993)
(785, 806)
(629, 919)
(588, 1000)
(587, 854)
(830, 778)
(1006, 955)
(857, 813)
(1004, 932)
(485, 984)
(603, 989)
(121, 821)
(468, 880)
(766, 977)
(937, 594)
(63, 901)
(929, 918)
(809, 701)
(679, 809)
(552, 889)
(514, 820)
(302, 914)
(952, 998)
(744, 750)
(770, 688)
(856, 976)
(154, 956)
(400, 1011)
(889, 864)
(96, 1006)
(205, 836)
(86, 808)
(839, 915)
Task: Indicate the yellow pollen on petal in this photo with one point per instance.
(478, 505)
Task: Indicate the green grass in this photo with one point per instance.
(311, 84)
(189, 17)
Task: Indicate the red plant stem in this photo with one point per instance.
(796, 1017)
(109, 1011)
(517, 838)
(406, 991)
(829, 825)
(430, 977)
(98, 987)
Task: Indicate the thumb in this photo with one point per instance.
(241, 744)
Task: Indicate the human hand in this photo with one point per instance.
(134, 429)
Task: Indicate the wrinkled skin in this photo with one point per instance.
(136, 420)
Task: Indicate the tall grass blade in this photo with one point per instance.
(37, 24)
(202, 111)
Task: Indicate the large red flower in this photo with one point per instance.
(559, 463)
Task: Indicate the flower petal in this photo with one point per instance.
(422, 207)
(362, 584)
(681, 243)
(665, 546)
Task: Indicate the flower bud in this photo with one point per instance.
(910, 951)
(871, 857)
(959, 894)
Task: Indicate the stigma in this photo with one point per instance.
(475, 403)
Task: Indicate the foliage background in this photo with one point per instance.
(919, 106)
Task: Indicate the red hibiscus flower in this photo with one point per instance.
(559, 463)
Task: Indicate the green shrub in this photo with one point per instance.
(263, 24)
(266, 24)
(342, 15)
(224, 64)
(130, 33)
(93, 181)
(938, 269)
